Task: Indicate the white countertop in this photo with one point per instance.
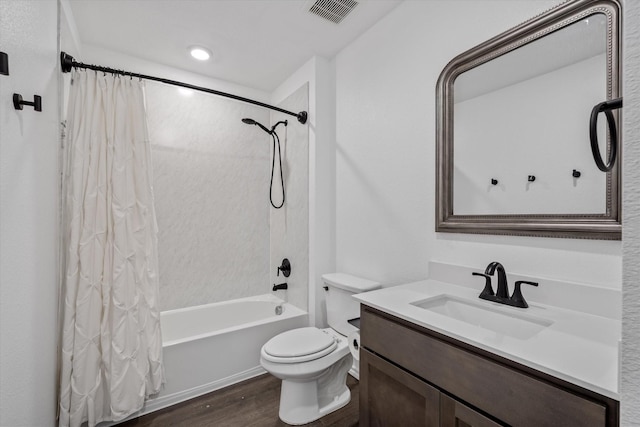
(577, 347)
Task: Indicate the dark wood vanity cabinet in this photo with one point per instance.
(393, 396)
(412, 376)
(396, 398)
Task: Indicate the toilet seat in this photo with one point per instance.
(299, 345)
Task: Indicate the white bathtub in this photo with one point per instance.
(212, 346)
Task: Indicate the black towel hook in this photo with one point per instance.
(604, 107)
(18, 102)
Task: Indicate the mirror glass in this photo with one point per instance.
(514, 154)
(525, 114)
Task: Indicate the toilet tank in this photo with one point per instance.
(341, 307)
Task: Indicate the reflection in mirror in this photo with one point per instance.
(513, 147)
(523, 114)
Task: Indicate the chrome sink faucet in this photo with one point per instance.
(502, 293)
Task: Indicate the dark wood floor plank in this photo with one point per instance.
(251, 403)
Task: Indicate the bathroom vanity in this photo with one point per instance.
(421, 365)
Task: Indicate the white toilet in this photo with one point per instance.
(313, 363)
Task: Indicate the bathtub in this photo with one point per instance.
(211, 346)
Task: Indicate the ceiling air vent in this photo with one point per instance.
(333, 10)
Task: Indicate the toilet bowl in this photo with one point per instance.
(313, 363)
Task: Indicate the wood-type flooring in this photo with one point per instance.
(251, 403)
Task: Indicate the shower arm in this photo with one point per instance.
(273, 128)
(67, 63)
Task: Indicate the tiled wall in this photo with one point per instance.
(211, 181)
(290, 224)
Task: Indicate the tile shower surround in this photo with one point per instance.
(210, 177)
(290, 225)
(216, 229)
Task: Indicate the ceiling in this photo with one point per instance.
(574, 43)
(255, 43)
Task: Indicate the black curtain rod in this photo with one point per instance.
(67, 62)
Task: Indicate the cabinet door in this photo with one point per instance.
(389, 396)
(456, 414)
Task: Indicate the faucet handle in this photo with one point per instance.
(488, 290)
(285, 268)
(517, 300)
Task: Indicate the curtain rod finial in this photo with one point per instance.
(302, 117)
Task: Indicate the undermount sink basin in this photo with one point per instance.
(486, 315)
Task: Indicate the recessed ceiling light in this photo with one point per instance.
(200, 53)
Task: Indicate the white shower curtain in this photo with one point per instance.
(111, 339)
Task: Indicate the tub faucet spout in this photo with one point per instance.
(280, 286)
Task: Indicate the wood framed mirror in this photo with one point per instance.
(513, 153)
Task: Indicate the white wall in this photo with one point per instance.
(323, 190)
(320, 76)
(385, 162)
(29, 142)
(70, 44)
(630, 371)
(289, 225)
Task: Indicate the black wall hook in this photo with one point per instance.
(494, 181)
(576, 173)
(531, 178)
(4, 63)
(18, 102)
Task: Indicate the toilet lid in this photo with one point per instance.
(299, 343)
